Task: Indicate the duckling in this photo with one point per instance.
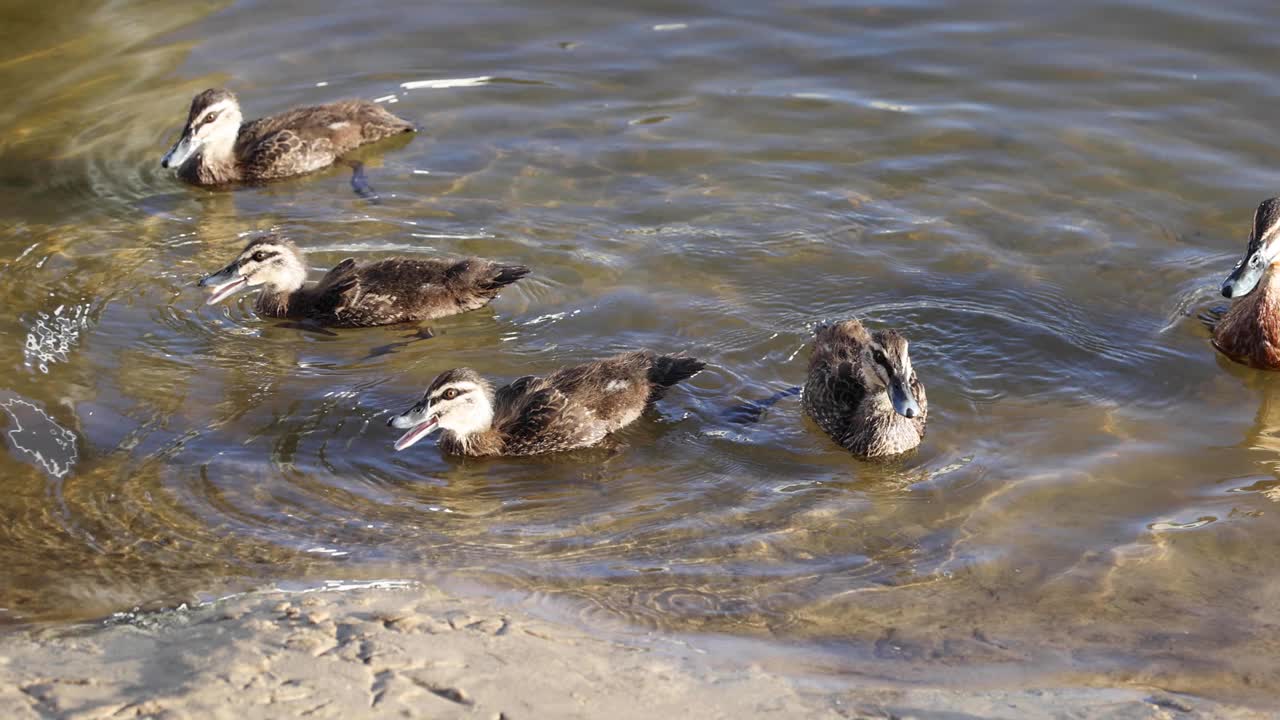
(1249, 333)
(383, 292)
(572, 408)
(217, 148)
(863, 391)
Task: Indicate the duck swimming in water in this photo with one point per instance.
(573, 408)
(383, 292)
(216, 147)
(1250, 331)
(863, 391)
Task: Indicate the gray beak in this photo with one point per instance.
(180, 151)
(1244, 278)
(904, 401)
(409, 418)
(224, 283)
(419, 422)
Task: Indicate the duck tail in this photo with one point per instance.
(667, 370)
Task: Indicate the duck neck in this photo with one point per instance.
(204, 169)
(475, 444)
(1250, 331)
(215, 162)
(282, 301)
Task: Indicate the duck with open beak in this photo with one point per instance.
(418, 420)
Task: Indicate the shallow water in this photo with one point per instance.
(1042, 198)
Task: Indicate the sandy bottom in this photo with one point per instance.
(420, 652)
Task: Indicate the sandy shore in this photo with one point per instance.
(419, 652)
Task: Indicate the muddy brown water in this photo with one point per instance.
(1042, 196)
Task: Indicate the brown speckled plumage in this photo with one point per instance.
(1250, 331)
(294, 142)
(841, 400)
(382, 292)
(571, 408)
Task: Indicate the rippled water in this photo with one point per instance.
(1042, 197)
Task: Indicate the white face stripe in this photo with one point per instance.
(1268, 237)
(469, 412)
(460, 385)
(217, 107)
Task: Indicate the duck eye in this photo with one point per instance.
(259, 256)
(880, 358)
(209, 118)
(450, 394)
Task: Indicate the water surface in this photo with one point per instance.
(1042, 198)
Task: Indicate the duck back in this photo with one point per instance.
(577, 406)
(309, 138)
(396, 290)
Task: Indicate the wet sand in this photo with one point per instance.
(421, 652)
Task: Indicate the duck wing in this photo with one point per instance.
(509, 395)
(832, 395)
(416, 289)
(337, 127)
(616, 390)
(285, 152)
(536, 417)
(339, 289)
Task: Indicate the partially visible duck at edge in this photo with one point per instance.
(863, 391)
(572, 408)
(1249, 332)
(382, 292)
(216, 147)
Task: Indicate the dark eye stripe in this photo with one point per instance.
(883, 362)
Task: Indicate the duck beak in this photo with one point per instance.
(904, 401)
(224, 283)
(1244, 278)
(180, 151)
(420, 422)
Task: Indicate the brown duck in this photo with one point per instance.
(1250, 331)
(572, 408)
(383, 292)
(217, 148)
(863, 391)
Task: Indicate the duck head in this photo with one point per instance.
(887, 366)
(268, 260)
(1264, 249)
(212, 127)
(459, 401)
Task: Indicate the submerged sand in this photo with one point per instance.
(422, 652)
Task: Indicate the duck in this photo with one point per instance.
(1249, 332)
(575, 407)
(217, 147)
(862, 390)
(382, 292)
